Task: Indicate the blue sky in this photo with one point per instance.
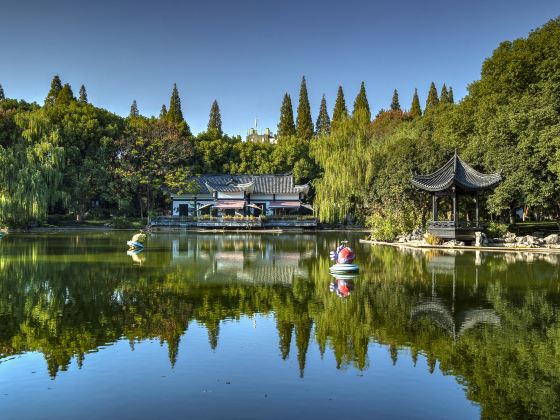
(246, 54)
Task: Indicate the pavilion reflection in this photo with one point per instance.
(440, 308)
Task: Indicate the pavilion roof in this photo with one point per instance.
(456, 172)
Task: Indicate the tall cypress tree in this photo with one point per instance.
(286, 126)
(444, 95)
(65, 96)
(340, 112)
(450, 95)
(395, 105)
(83, 95)
(215, 120)
(2, 92)
(304, 125)
(361, 102)
(56, 87)
(323, 126)
(432, 100)
(134, 110)
(163, 112)
(174, 113)
(415, 110)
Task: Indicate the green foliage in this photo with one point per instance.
(215, 119)
(56, 87)
(432, 101)
(361, 104)
(415, 110)
(323, 126)
(496, 230)
(133, 110)
(450, 98)
(163, 112)
(2, 96)
(83, 95)
(444, 95)
(304, 124)
(175, 112)
(340, 112)
(286, 126)
(395, 105)
(386, 226)
(65, 96)
(30, 171)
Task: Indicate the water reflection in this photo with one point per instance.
(491, 320)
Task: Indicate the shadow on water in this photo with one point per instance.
(491, 320)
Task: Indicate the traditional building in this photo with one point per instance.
(241, 195)
(453, 180)
(254, 136)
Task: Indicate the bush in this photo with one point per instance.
(386, 227)
(496, 230)
(433, 240)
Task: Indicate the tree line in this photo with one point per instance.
(71, 157)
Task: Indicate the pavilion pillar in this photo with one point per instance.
(476, 220)
(454, 207)
(434, 208)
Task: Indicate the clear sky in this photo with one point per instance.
(247, 53)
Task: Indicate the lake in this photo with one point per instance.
(252, 326)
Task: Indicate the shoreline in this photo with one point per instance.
(539, 250)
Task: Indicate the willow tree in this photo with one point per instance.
(30, 171)
(346, 158)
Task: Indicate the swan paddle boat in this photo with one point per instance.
(343, 257)
(137, 241)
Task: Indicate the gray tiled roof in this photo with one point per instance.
(456, 171)
(260, 184)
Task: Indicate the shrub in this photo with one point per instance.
(433, 240)
(386, 227)
(496, 230)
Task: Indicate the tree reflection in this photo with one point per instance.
(490, 320)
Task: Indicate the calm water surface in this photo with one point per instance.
(253, 326)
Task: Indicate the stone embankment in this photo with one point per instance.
(418, 238)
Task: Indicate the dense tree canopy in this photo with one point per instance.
(340, 112)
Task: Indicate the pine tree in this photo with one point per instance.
(340, 112)
(323, 126)
(215, 120)
(304, 125)
(134, 110)
(415, 110)
(444, 95)
(286, 126)
(361, 103)
(450, 95)
(65, 96)
(56, 87)
(2, 93)
(163, 112)
(432, 100)
(83, 95)
(395, 105)
(174, 113)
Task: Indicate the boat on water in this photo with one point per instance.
(343, 257)
(134, 246)
(344, 268)
(137, 241)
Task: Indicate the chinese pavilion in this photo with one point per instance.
(453, 180)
